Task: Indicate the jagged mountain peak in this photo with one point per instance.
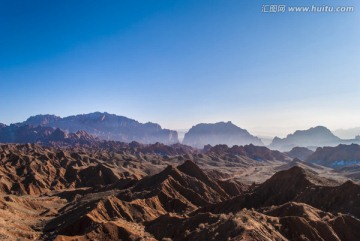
(189, 165)
(191, 169)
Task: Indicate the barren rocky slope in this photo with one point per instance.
(119, 191)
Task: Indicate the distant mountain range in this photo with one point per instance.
(219, 133)
(312, 138)
(107, 126)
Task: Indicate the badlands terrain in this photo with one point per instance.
(75, 187)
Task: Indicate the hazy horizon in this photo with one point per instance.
(179, 63)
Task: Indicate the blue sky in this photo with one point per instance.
(182, 62)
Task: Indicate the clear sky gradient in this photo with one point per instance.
(182, 62)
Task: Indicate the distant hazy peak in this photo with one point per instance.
(227, 133)
(318, 130)
(313, 137)
(223, 126)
